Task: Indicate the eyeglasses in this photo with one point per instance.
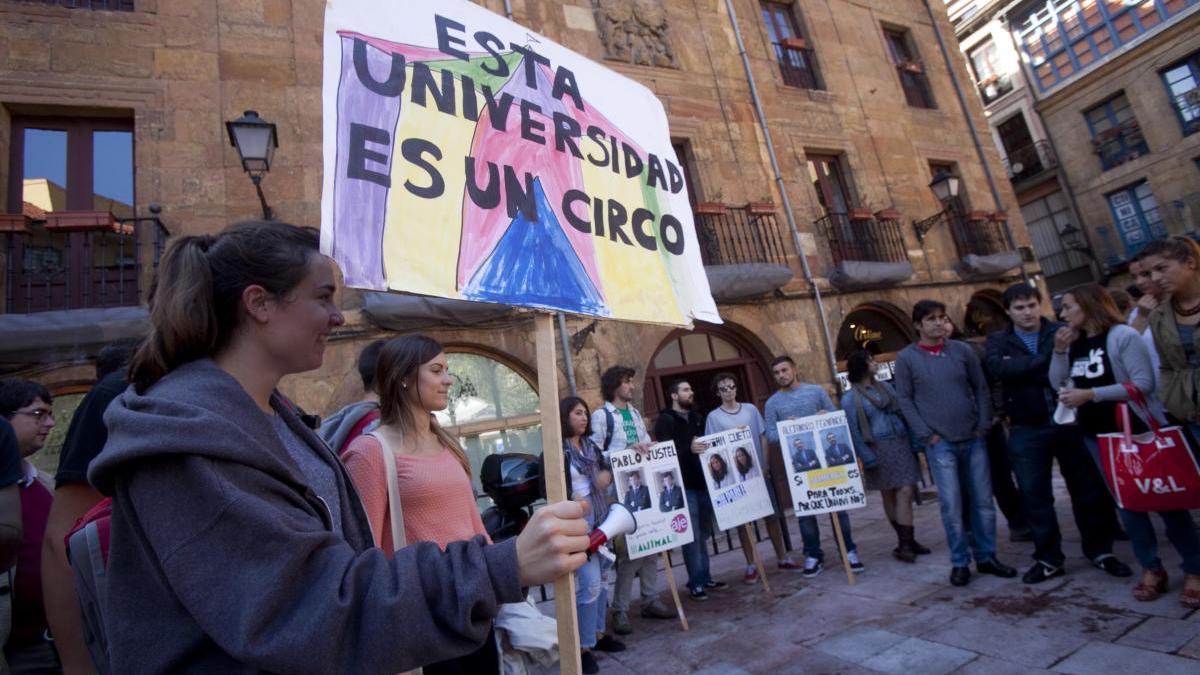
(727, 388)
(38, 415)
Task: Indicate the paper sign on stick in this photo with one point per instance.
(649, 484)
(735, 481)
(468, 157)
(822, 466)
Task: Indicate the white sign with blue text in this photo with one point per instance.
(736, 485)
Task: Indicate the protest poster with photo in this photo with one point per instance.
(822, 466)
(651, 486)
(467, 157)
(735, 481)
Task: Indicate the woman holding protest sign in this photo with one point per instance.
(1099, 362)
(238, 541)
(882, 440)
(587, 479)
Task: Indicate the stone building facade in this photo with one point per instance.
(1095, 108)
(858, 96)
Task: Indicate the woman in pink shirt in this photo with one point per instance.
(433, 476)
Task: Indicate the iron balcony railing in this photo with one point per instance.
(105, 266)
(972, 234)
(739, 235)
(1026, 162)
(862, 238)
(797, 66)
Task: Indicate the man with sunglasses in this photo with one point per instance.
(733, 414)
(25, 405)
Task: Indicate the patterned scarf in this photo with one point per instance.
(587, 463)
(886, 402)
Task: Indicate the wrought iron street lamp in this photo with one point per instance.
(945, 186)
(255, 141)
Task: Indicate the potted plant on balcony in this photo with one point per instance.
(861, 213)
(763, 206)
(888, 214)
(794, 43)
(81, 221)
(998, 216)
(15, 222)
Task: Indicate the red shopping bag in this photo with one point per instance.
(1154, 471)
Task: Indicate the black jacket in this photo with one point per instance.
(1029, 399)
(671, 426)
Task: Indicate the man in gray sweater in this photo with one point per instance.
(944, 397)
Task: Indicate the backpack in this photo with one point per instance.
(87, 550)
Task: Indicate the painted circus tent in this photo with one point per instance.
(467, 157)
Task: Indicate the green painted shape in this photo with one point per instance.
(474, 69)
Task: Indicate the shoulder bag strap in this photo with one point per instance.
(395, 512)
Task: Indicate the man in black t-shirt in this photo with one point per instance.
(73, 497)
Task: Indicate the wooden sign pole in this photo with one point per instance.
(556, 489)
(666, 561)
(762, 572)
(841, 542)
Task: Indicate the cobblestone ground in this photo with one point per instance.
(907, 618)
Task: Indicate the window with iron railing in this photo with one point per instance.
(1183, 86)
(71, 231)
(745, 235)
(1136, 216)
(1116, 134)
(1062, 38)
(796, 58)
(909, 68)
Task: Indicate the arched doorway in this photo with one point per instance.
(985, 314)
(877, 327)
(699, 355)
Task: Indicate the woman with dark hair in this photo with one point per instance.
(1095, 356)
(744, 463)
(1174, 265)
(718, 469)
(881, 439)
(430, 475)
(238, 541)
(588, 476)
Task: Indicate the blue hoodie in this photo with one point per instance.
(223, 559)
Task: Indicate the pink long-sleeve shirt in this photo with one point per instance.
(435, 493)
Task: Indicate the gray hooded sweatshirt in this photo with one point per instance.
(224, 560)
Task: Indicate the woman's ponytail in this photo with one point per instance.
(183, 317)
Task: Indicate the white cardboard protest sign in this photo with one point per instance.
(822, 466)
(651, 486)
(736, 485)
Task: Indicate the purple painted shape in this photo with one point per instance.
(521, 91)
(360, 206)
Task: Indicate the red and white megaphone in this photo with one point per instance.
(620, 521)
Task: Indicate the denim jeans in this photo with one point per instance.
(591, 601)
(810, 534)
(695, 554)
(1032, 451)
(1181, 530)
(960, 469)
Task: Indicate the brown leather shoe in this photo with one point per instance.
(1152, 585)
(1190, 597)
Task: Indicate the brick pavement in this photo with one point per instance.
(901, 618)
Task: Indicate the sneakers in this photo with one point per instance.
(716, 586)
(751, 575)
(1109, 563)
(587, 662)
(608, 643)
(657, 610)
(856, 565)
(1041, 572)
(995, 568)
(698, 594)
(788, 564)
(620, 623)
(812, 567)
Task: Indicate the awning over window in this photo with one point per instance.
(979, 267)
(850, 275)
(408, 312)
(68, 334)
(730, 283)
